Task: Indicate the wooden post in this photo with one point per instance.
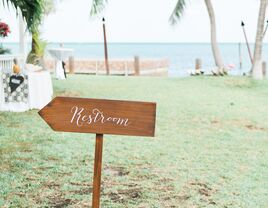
(96, 67)
(126, 69)
(105, 48)
(264, 68)
(97, 171)
(136, 118)
(137, 65)
(240, 56)
(198, 64)
(71, 64)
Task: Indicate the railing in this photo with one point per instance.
(124, 66)
(7, 61)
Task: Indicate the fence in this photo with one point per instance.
(125, 67)
(6, 62)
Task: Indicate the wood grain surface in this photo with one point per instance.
(97, 171)
(100, 116)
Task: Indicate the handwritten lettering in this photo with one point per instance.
(81, 117)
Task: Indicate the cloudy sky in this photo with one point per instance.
(143, 21)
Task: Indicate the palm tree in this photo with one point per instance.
(257, 58)
(97, 6)
(38, 45)
(177, 14)
(31, 11)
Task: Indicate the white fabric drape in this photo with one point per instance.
(40, 93)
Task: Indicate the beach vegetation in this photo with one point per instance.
(98, 6)
(31, 11)
(38, 46)
(257, 71)
(176, 16)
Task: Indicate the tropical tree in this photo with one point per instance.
(98, 5)
(177, 14)
(257, 57)
(38, 45)
(31, 11)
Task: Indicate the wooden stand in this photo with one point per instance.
(97, 171)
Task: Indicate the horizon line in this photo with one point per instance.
(142, 42)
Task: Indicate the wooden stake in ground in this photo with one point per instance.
(240, 56)
(105, 48)
(97, 116)
(97, 171)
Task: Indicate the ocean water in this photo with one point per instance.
(181, 55)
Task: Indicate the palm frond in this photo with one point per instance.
(97, 6)
(177, 12)
(31, 10)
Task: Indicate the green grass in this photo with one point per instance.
(210, 148)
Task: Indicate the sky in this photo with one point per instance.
(143, 21)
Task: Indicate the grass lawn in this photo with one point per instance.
(210, 149)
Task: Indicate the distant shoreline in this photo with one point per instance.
(134, 43)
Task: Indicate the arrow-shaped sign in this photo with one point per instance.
(100, 116)
(97, 116)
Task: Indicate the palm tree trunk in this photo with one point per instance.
(257, 58)
(215, 49)
(35, 38)
(33, 56)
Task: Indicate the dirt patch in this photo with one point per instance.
(194, 188)
(42, 168)
(115, 171)
(80, 184)
(239, 123)
(254, 128)
(242, 83)
(25, 159)
(20, 146)
(178, 198)
(84, 191)
(51, 158)
(85, 188)
(58, 201)
(51, 184)
(55, 200)
(125, 195)
(14, 125)
(64, 173)
(215, 122)
(165, 180)
(21, 194)
(203, 188)
(31, 178)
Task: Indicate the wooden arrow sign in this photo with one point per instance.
(97, 116)
(100, 116)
